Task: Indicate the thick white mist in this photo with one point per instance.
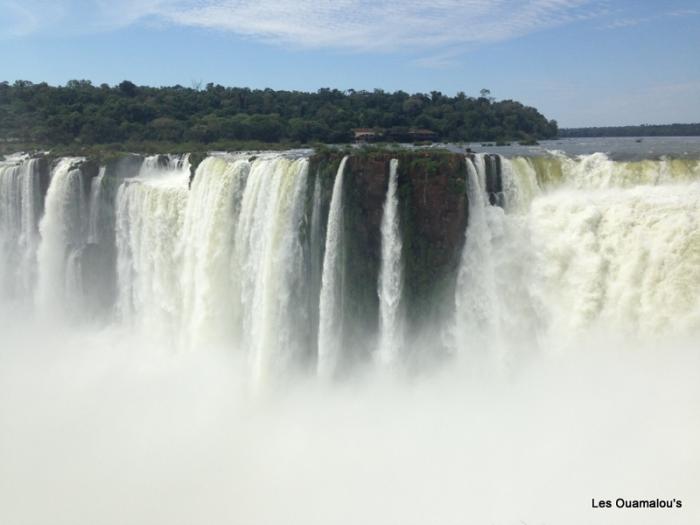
(97, 427)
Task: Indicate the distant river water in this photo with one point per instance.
(616, 148)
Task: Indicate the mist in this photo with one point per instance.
(208, 350)
(96, 426)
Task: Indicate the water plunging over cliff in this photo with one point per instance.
(150, 214)
(63, 230)
(273, 254)
(211, 309)
(269, 257)
(390, 274)
(186, 307)
(20, 206)
(330, 320)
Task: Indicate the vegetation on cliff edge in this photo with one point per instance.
(81, 113)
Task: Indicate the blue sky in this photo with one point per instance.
(582, 62)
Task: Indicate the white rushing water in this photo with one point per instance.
(94, 207)
(476, 316)
(330, 305)
(19, 215)
(269, 263)
(211, 310)
(496, 314)
(579, 245)
(150, 213)
(245, 257)
(582, 285)
(63, 236)
(219, 263)
(623, 258)
(390, 284)
(316, 249)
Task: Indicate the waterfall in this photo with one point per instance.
(269, 259)
(94, 207)
(598, 171)
(150, 211)
(390, 275)
(627, 258)
(330, 306)
(63, 236)
(330, 335)
(20, 206)
(251, 254)
(496, 308)
(220, 263)
(316, 247)
(209, 291)
(477, 320)
(520, 185)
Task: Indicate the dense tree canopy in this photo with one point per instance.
(80, 112)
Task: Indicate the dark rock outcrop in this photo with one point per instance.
(433, 218)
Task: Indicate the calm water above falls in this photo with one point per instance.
(617, 148)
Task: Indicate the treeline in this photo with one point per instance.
(80, 112)
(645, 130)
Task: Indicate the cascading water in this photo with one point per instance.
(262, 260)
(330, 306)
(253, 253)
(390, 283)
(210, 286)
(219, 263)
(598, 171)
(627, 258)
(315, 263)
(520, 186)
(270, 262)
(20, 205)
(63, 236)
(150, 213)
(580, 242)
(476, 316)
(94, 207)
(496, 309)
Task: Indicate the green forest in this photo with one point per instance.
(86, 114)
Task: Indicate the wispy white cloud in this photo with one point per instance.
(360, 25)
(638, 20)
(380, 25)
(18, 18)
(627, 22)
(684, 12)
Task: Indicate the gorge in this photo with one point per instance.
(213, 330)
